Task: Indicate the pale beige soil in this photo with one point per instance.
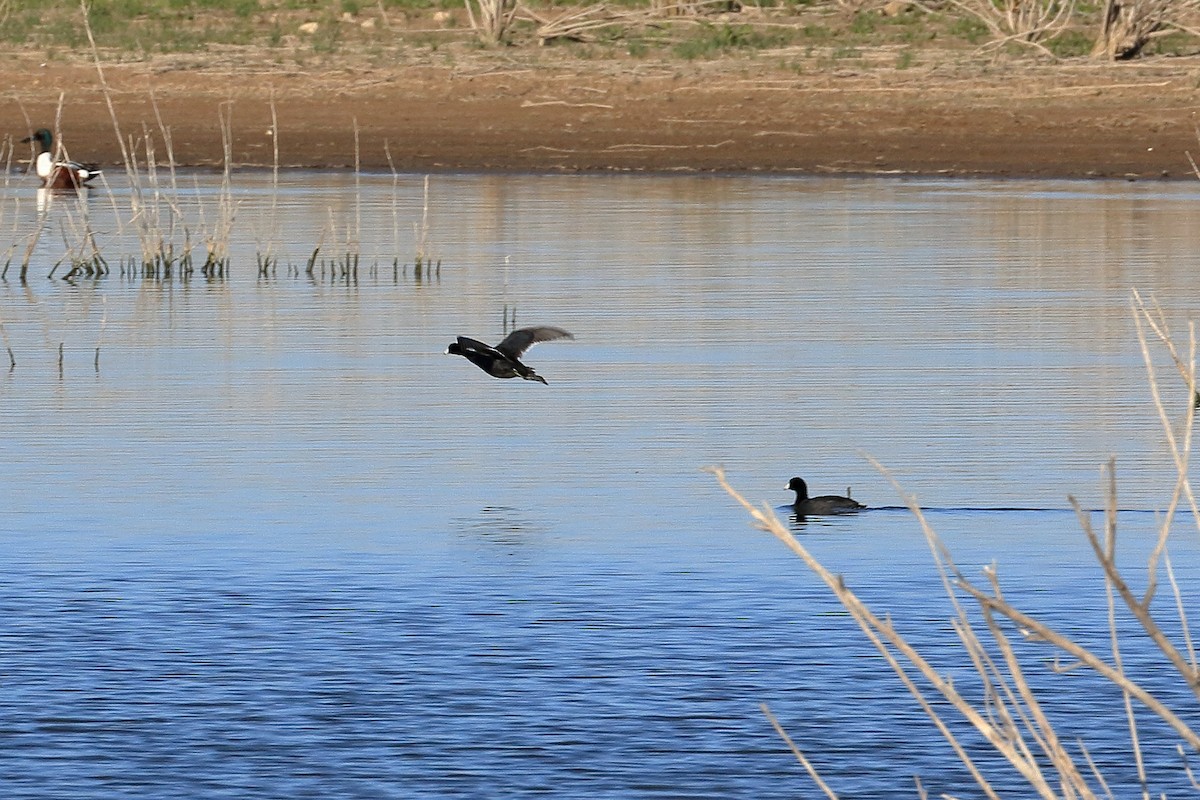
(536, 110)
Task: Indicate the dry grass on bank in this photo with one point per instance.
(906, 32)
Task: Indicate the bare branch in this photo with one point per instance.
(812, 772)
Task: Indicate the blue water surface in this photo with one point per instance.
(263, 539)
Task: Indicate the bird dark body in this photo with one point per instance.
(504, 360)
(822, 505)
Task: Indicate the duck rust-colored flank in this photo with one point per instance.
(561, 114)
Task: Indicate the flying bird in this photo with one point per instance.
(504, 360)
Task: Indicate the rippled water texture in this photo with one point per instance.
(263, 539)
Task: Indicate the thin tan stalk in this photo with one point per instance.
(357, 244)
(1039, 726)
(1140, 610)
(1096, 773)
(1087, 658)
(1180, 453)
(881, 634)
(1110, 550)
(1010, 716)
(812, 772)
(387, 150)
(1187, 767)
(274, 233)
(105, 90)
(422, 231)
(1183, 620)
(1008, 697)
(1028, 710)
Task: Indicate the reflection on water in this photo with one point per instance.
(502, 526)
(263, 538)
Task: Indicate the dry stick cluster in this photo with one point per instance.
(1127, 26)
(268, 262)
(156, 214)
(159, 219)
(580, 23)
(167, 241)
(11, 221)
(495, 18)
(1010, 716)
(577, 24)
(1025, 21)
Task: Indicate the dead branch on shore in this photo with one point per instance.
(580, 24)
(1028, 22)
(575, 24)
(495, 18)
(1127, 26)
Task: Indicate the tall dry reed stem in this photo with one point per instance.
(140, 209)
(357, 240)
(387, 150)
(13, 219)
(268, 259)
(155, 211)
(424, 264)
(81, 250)
(216, 263)
(421, 230)
(1010, 715)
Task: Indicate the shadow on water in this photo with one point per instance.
(501, 525)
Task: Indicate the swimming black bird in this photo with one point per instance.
(825, 504)
(504, 360)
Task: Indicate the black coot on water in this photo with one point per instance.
(825, 504)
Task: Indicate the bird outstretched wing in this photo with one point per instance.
(522, 339)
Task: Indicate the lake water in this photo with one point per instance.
(263, 539)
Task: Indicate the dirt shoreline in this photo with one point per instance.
(566, 115)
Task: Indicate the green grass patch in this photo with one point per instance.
(1071, 44)
(864, 23)
(969, 29)
(1176, 43)
(145, 27)
(817, 34)
(714, 40)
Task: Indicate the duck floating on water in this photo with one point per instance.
(504, 360)
(822, 505)
(58, 174)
